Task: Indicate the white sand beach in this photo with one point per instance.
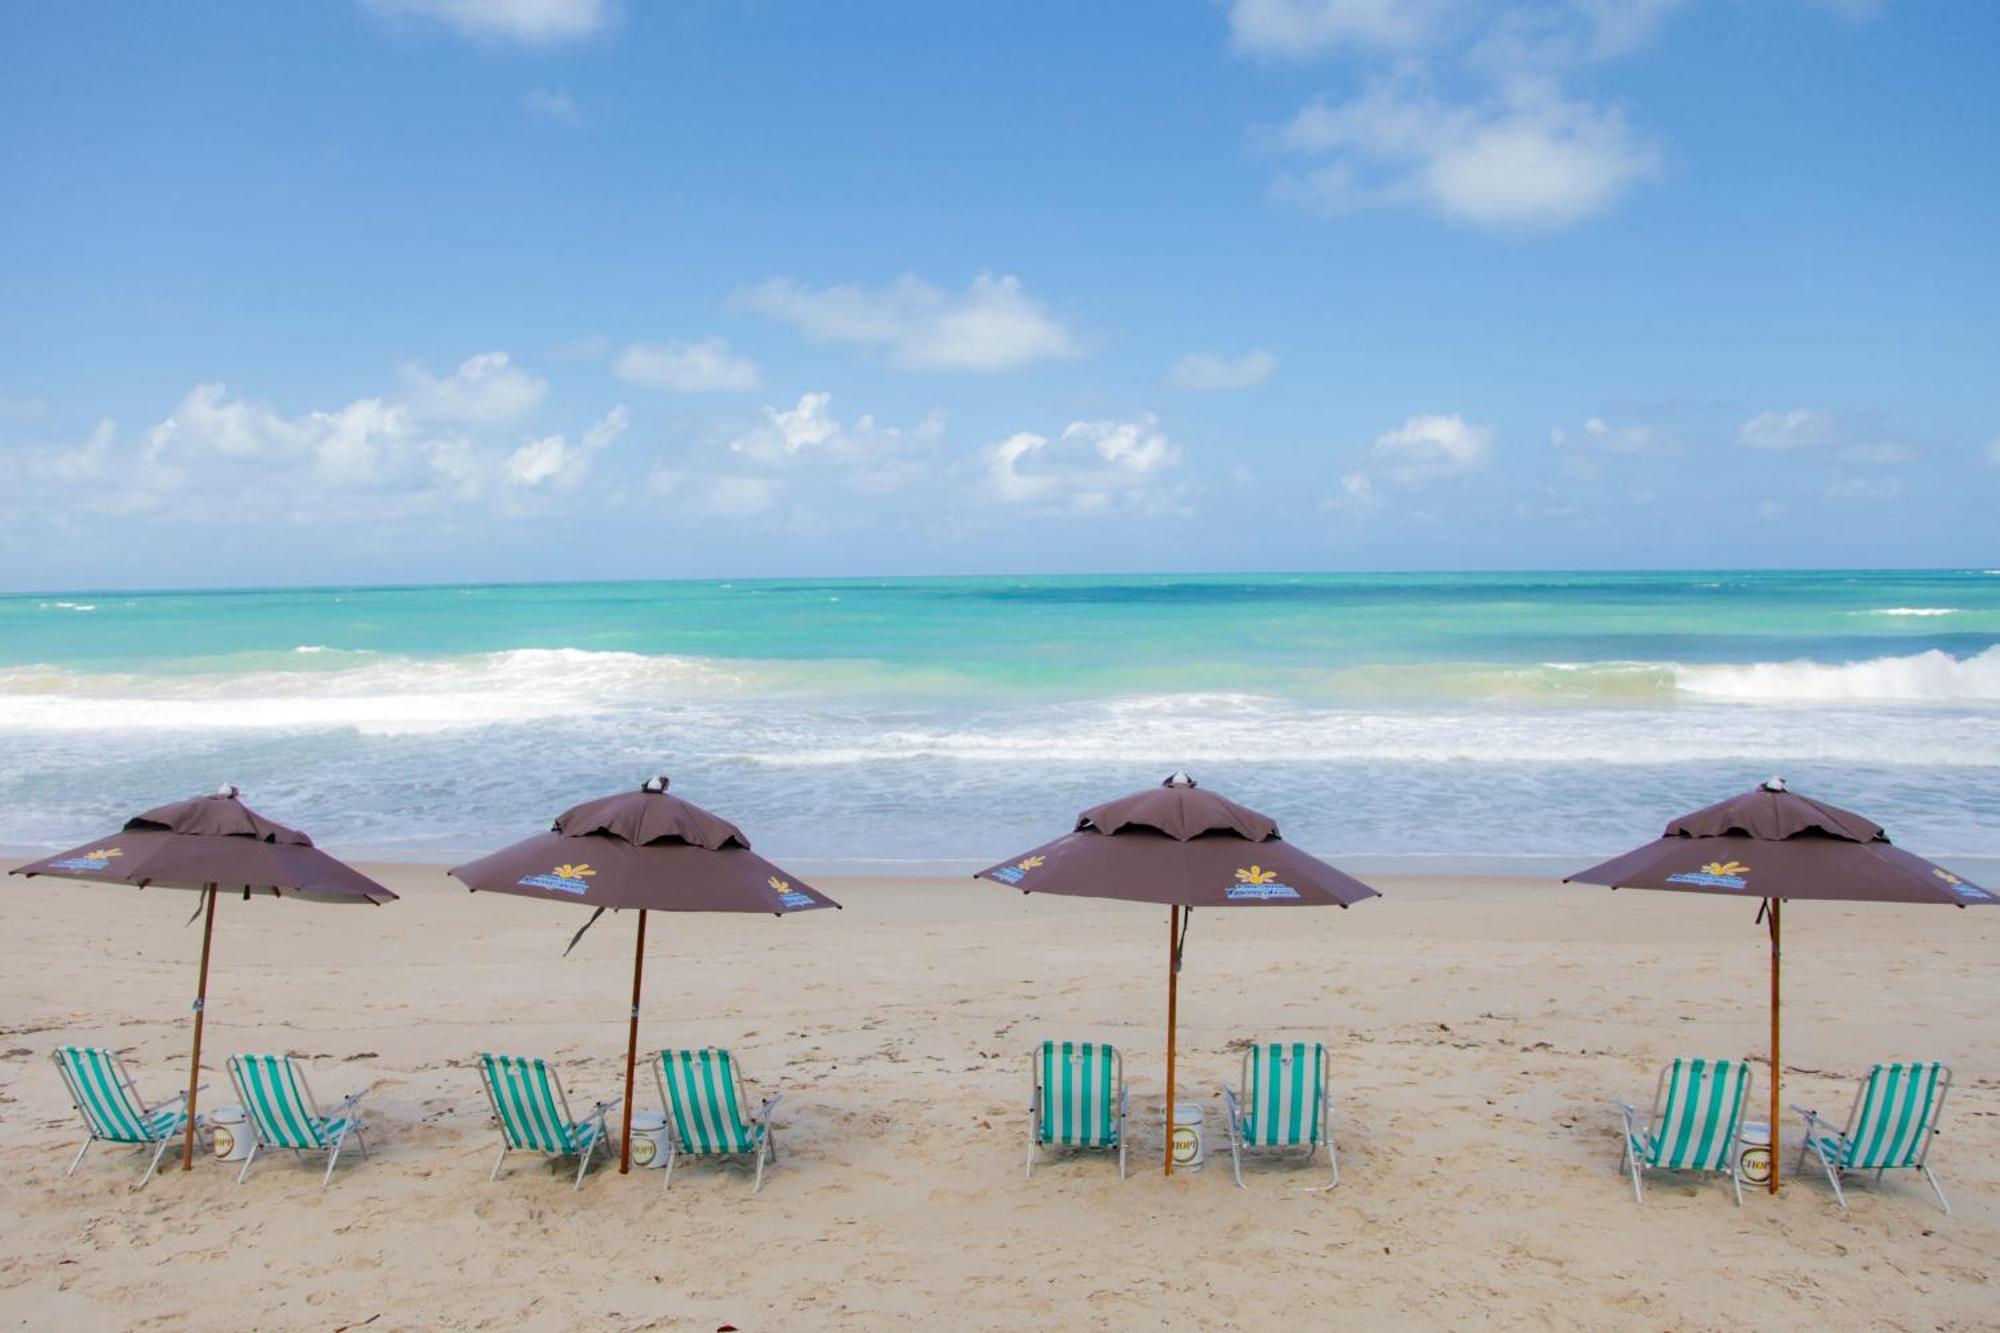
(1479, 1030)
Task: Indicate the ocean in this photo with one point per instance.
(1391, 721)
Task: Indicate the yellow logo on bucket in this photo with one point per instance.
(581, 870)
(1256, 875)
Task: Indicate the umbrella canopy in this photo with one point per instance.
(1179, 845)
(1182, 846)
(647, 850)
(213, 844)
(1773, 844)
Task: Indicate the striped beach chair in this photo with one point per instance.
(1079, 1099)
(112, 1109)
(708, 1111)
(1697, 1114)
(1894, 1119)
(532, 1111)
(1286, 1103)
(281, 1112)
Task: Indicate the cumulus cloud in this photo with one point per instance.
(994, 325)
(1602, 436)
(865, 455)
(486, 389)
(1091, 467)
(1200, 372)
(1795, 429)
(706, 366)
(1526, 158)
(521, 22)
(1854, 437)
(1427, 448)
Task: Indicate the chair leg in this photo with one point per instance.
(1638, 1174)
(667, 1175)
(1333, 1162)
(244, 1173)
(1736, 1182)
(361, 1140)
(1936, 1189)
(154, 1165)
(763, 1151)
(331, 1158)
(1031, 1155)
(583, 1164)
(77, 1160)
(498, 1162)
(1236, 1157)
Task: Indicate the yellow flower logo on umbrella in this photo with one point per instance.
(1256, 875)
(1029, 862)
(1939, 871)
(102, 854)
(780, 884)
(581, 870)
(1732, 868)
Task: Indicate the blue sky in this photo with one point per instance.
(403, 290)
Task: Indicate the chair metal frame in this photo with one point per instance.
(570, 1122)
(129, 1090)
(1835, 1172)
(344, 1112)
(1233, 1106)
(1035, 1109)
(759, 1121)
(1630, 1113)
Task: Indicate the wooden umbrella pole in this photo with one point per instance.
(1173, 998)
(200, 1012)
(632, 1044)
(1776, 1059)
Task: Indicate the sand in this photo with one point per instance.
(1479, 1028)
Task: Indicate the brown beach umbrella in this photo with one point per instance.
(1773, 844)
(646, 850)
(213, 844)
(1185, 847)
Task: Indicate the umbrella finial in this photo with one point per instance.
(1775, 784)
(229, 791)
(655, 783)
(1180, 777)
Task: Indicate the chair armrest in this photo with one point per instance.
(1229, 1101)
(179, 1097)
(599, 1111)
(768, 1105)
(348, 1102)
(1812, 1119)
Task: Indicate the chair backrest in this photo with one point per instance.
(1894, 1114)
(103, 1094)
(1079, 1094)
(1697, 1114)
(277, 1102)
(1284, 1093)
(529, 1103)
(703, 1092)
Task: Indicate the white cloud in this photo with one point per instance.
(1527, 158)
(1298, 29)
(553, 463)
(1598, 434)
(1200, 372)
(552, 104)
(487, 389)
(1092, 467)
(993, 325)
(739, 496)
(1864, 488)
(1427, 448)
(707, 366)
(524, 22)
(865, 456)
(19, 409)
(1357, 492)
(1993, 451)
(1795, 429)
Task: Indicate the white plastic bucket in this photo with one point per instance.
(232, 1136)
(1753, 1154)
(1188, 1147)
(649, 1139)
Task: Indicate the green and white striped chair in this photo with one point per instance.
(281, 1112)
(1079, 1099)
(1287, 1102)
(532, 1111)
(1895, 1116)
(112, 1109)
(708, 1111)
(1697, 1114)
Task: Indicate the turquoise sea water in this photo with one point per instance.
(1389, 719)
